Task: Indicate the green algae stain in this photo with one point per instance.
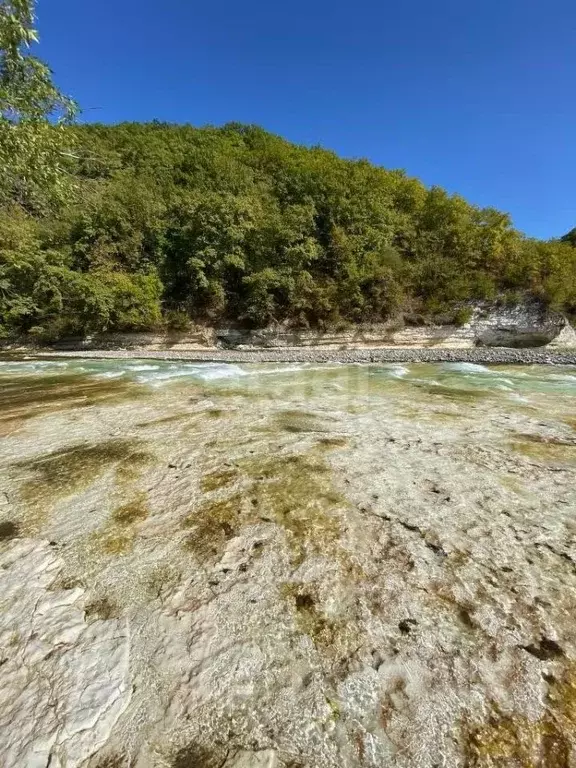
(297, 421)
(9, 530)
(336, 638)
(114, 542)
(356, 410)
(548, 451)
(293, 469)
(310, 619)
(531, 437)
(296, 492)
(443, 416)
(130, 469)
(198, 756)
(427, 414)
(101, 609)
(68, 470)
(133, 511)
(24, 397)
(230, 391)
(293, 491)
(513, 483)
(173, 419)
(213, 481)
(113, 761)
(118, 536)
(454, 394)
(332, 443)
(66, 582)
(9, 425)
(206, 420)
(162, 579)
(212, 525)
(335, 708)
(512, 740)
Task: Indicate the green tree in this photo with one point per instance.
(570, 237)
(33, 113)
(235, 224)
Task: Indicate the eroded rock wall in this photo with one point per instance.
(523, 325)
(491, 325)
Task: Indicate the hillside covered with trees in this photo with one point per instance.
(165, 223)
(142, 226)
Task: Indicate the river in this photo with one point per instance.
(214, 564)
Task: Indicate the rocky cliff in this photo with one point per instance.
(490, 325)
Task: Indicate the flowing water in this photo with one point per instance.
(209, 564)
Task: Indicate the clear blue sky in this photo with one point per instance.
(478, 97)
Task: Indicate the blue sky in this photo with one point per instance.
(477, 97)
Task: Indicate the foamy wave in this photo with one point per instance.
(110, 375)
(502, 383)
(395, 370)
(201, 371)
(283, 369)
(293, 368)
(518, 398)
(466, 367)
(210, 371)
(31, 366)
(563, 377)
(398, 371)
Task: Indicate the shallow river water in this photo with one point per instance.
(210, 564)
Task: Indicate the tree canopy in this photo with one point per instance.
(32, 114)
(570, 237)
(174, 223)
(139, 226)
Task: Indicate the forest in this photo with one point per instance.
(163, 225)
(156, 226)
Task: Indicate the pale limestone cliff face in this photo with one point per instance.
(523, 325)
(566, 339)
(520, 326)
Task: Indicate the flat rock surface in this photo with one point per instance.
(64, 681)
(302, 565)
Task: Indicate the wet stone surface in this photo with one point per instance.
(287, 565)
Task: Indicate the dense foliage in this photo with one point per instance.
(570, 237)
(172, 223)
(33, 115)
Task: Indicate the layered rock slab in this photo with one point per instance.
(64, 681)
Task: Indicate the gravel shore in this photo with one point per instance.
(482, 355)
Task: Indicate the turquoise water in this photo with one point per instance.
(509, 382)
